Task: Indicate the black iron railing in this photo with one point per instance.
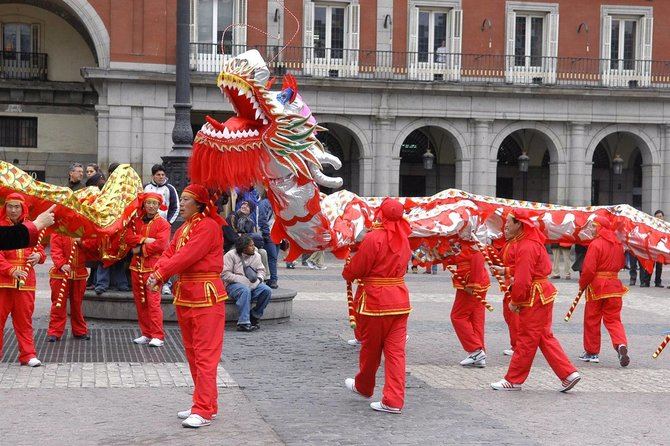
(444, 67)
(26, 66)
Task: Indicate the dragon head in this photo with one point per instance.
(272, 134)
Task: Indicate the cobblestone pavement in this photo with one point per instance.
(284, 383)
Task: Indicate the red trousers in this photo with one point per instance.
(20, 304)
(609, 312)
(512, 320)
(535, 331)
(74, 292)
(468, 316)
(383, 334)
(202, 334)
(149, 312)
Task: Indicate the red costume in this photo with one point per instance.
(18, 299)
(382, 302)
(604, 291)
(196, 255)
(532, 292)
(468, 313)
(147, 299)
(67, 286)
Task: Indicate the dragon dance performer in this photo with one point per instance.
(468, 313)
(382, 303)
(151, 236)
(532, 295)
(67, 279)
(17, 283)
(604, 292)
(196, 255)
(26, 233)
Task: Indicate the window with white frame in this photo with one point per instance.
(532, 42)
(435, 39)
(211, 19)
(626, 49)
(331, 37)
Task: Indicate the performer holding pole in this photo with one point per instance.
(17, 283)
(151, 238)
(599, 280)
(468, 314)
(532, 295)
(503, 274)
(67, 279)
(196, 255)
(382, 305)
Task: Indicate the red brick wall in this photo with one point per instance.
(257, 16)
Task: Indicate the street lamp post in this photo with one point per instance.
(617, 169)
(428, 160)
(182, 135)
(523, 168)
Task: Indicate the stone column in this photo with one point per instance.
(651, 188)
(665, 169)
(182, 135)
(483, 179)
(365, 177)
(386, 168)
(579, 177)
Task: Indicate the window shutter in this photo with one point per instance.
(606, 48)
(193, 25)
(552, 49)
(456, 44)
(240, 32)
(413, 47)
(509, 47)
(308, 35)
(353, 12)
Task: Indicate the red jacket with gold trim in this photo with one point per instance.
(196, 255)
(600, 270)
(11, 260)
(530, 266)
(157, 228)
(471, 270)
(62, 247)
(380, 273)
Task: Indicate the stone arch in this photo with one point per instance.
(359, 135)
(556, 148)
(95, 27)
(649, 150)
(462, 149)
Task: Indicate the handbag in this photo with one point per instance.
(249, 271)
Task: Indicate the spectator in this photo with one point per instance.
(97, 179)
(561, 260)
(92, 169)
(243, 274)
(111, 168)
(75, 176)
(441, 53)
(160, 185)
(241, 223)
(266, 219)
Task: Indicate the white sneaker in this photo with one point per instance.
(570, 382)
(34, 362)
(503, 384)
(350, 384)
(141, 340)
(474, 358)
(381, 407)
(321, 267)
(311, 265)
(508, 352)
(166, 289)
(155, 342)
(195, 421)
(354, 342)
(184, 414)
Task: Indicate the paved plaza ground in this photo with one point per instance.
(284, 383)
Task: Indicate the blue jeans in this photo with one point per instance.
(272, 251)
(243, 296)
(117, 274)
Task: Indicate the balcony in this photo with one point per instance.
(23, 66)
(444, 67)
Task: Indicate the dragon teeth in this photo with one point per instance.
(226, 133)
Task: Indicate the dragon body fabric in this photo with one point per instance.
(86, 213)
(272, 141)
